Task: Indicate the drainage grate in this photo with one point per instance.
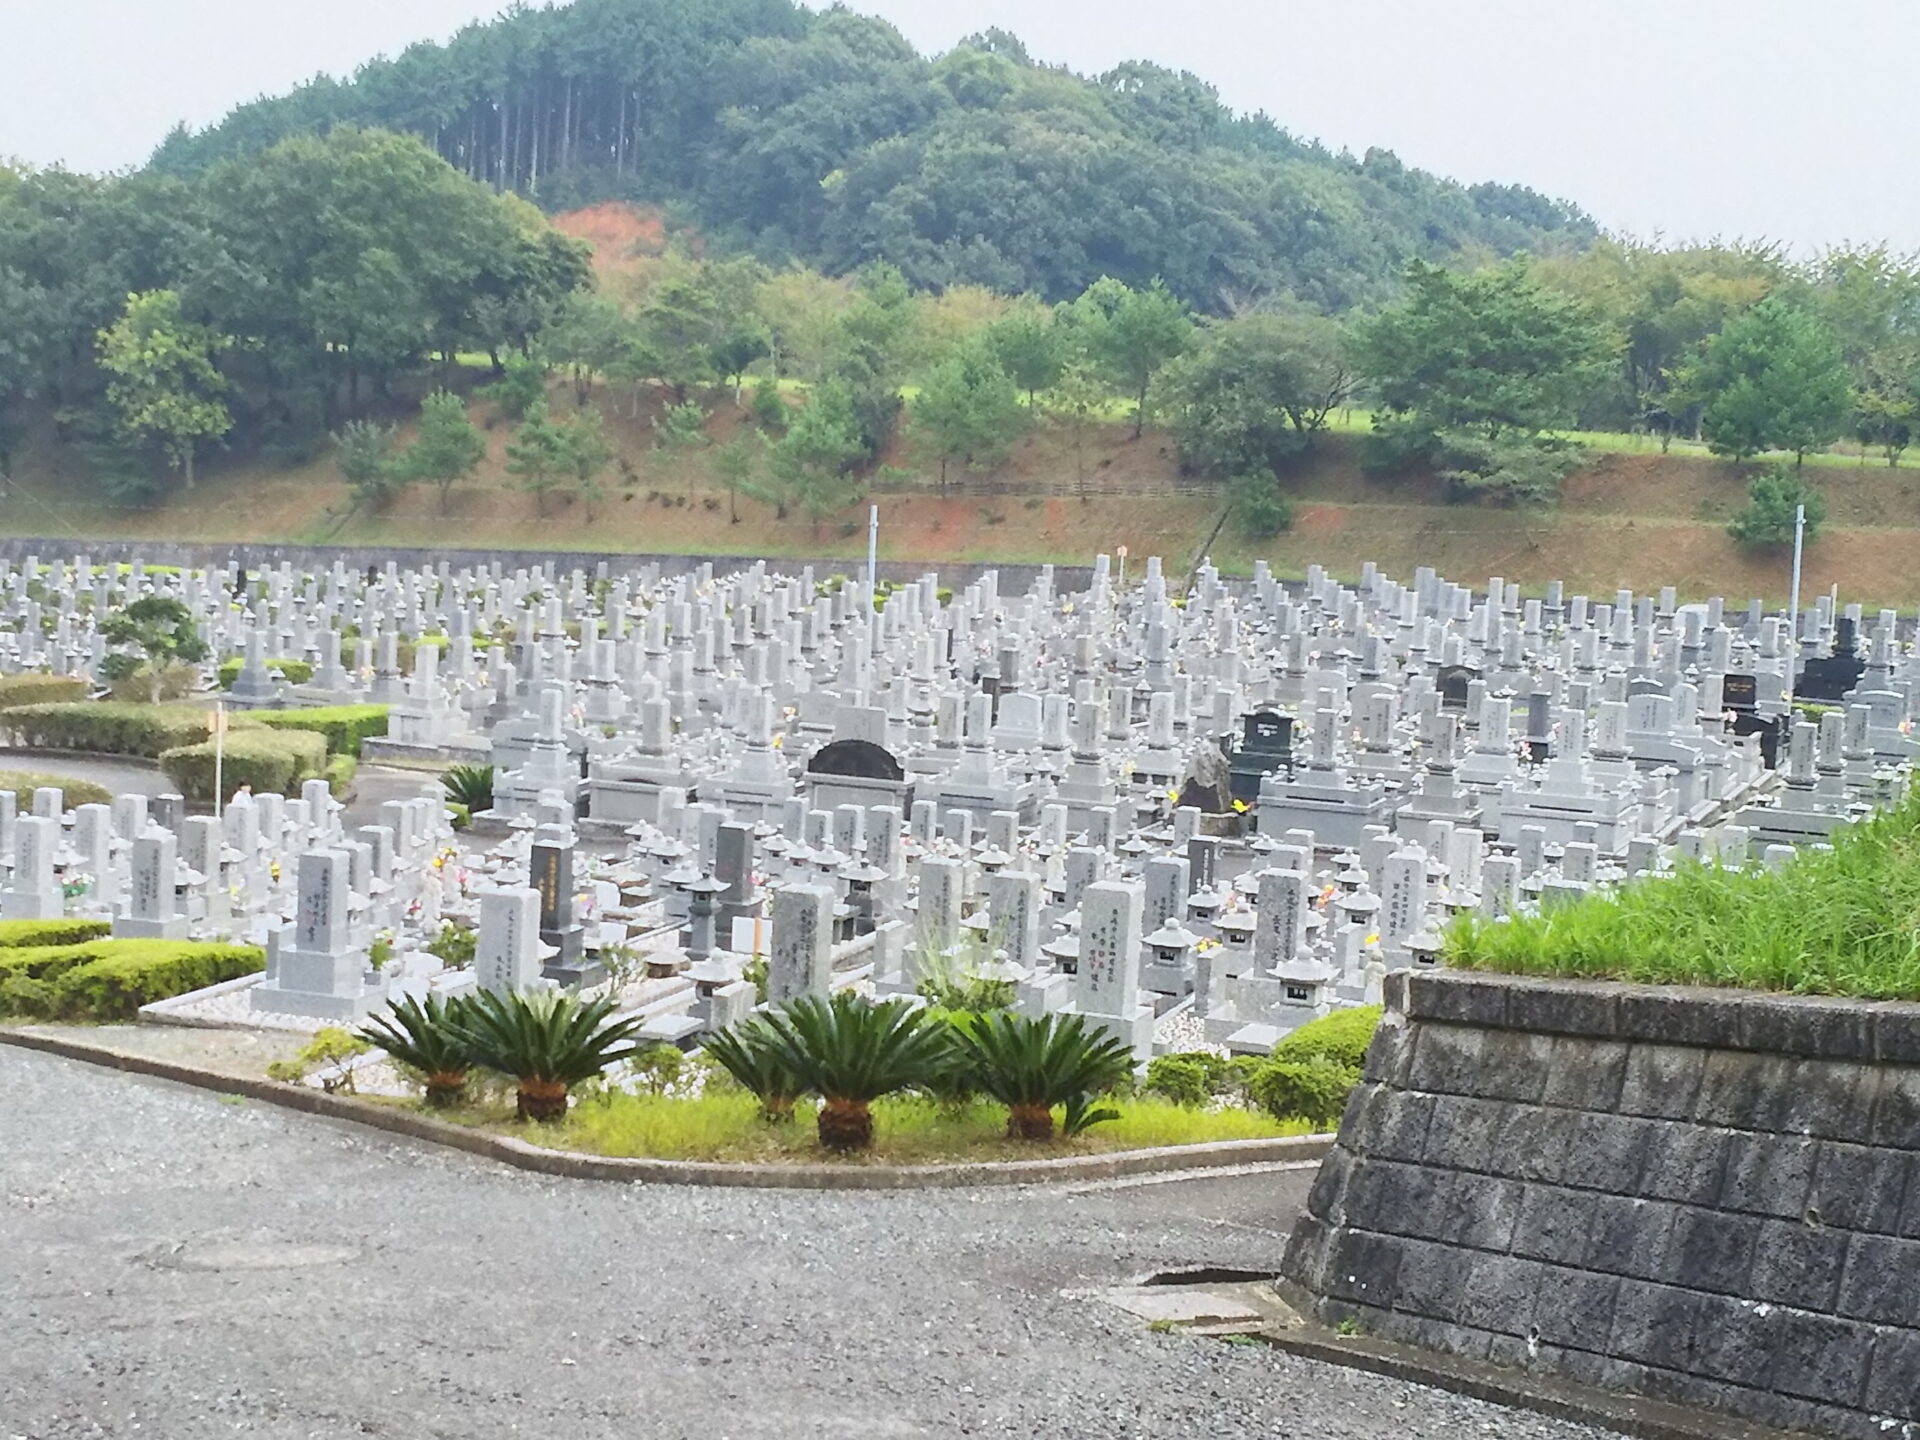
(1207, 1275)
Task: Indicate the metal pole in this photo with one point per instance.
(219, 756)
(1799, 542)
(873, 557)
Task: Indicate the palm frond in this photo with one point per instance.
(851, 1049)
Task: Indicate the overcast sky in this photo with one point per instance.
(1786, 119)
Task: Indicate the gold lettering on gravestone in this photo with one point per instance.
(548, 881)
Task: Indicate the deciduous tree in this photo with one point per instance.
(165, 386)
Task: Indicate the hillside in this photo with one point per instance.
(1640, 520)
(825, 137)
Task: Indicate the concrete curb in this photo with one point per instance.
(1298, 1149)
(1558, 1399)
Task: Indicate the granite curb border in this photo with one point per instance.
(1197, 1159)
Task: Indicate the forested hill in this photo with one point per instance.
(827, 138)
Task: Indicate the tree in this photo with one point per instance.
(1470, 369)
(522, 385)
(740, 463)
(1774, 379)
(969, 410)
(363, 449)
(160, 633)
(165, 386)
(738, 348)
(588, 337)
(683, 426)
(1490, 350)
(1078, 397)
(1771, 515)
(1256, 390)
(811, 462)
(1030, 348)
(538, 456)
(1885, 404)
(588, 453)
(449, 446)
(1131, 335)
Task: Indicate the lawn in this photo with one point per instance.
(907, 1130)
(1828, 922)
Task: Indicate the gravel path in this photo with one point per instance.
(176, 1266)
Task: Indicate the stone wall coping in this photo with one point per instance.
(409, 1124)
(1818, 1027)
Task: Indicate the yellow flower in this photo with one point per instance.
(1239, 807)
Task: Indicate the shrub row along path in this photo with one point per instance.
(172, 1264)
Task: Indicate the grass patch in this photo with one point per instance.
(1844, 921)
(907, 1130)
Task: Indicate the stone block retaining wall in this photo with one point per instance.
(1708, 1197)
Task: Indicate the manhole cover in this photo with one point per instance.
(247, 1255)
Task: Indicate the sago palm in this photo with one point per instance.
(469, 785)
(426, 1038)
(547, 1043)
(1031, 1064)
(745, 1051)
(850, 1051)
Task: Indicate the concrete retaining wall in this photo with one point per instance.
(1708, 1197)
(1014, 579)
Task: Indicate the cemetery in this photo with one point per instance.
(764, 866)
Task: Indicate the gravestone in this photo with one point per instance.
(152, 909)
(506, 955)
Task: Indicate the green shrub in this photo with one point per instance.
(16, 690)
(113, 727)
(106, 980)
(1261, 509)
(1341, 1038)
(339, 774)
(77, 792)
(342, 726)
(1771, 514)
(26, 995)
(469, 785)
(1192, 1078)
(1315, 1090)
(15, 934)
(298, 672)
(264, 760)
(40, 962)
(136, 685)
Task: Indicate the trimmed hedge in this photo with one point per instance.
(107, 980)
(298, 672)
(16, 690)
(1341, 1038)
(77, 792)
(119, 976)
(112, 727)
(17, 933)
(344, 726)
(259, 758)
(339, 775)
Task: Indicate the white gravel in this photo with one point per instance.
(172, 1265)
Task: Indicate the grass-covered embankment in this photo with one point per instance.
(1844, 921)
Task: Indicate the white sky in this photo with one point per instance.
(1778, 118)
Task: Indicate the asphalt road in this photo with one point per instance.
(176, 1266)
